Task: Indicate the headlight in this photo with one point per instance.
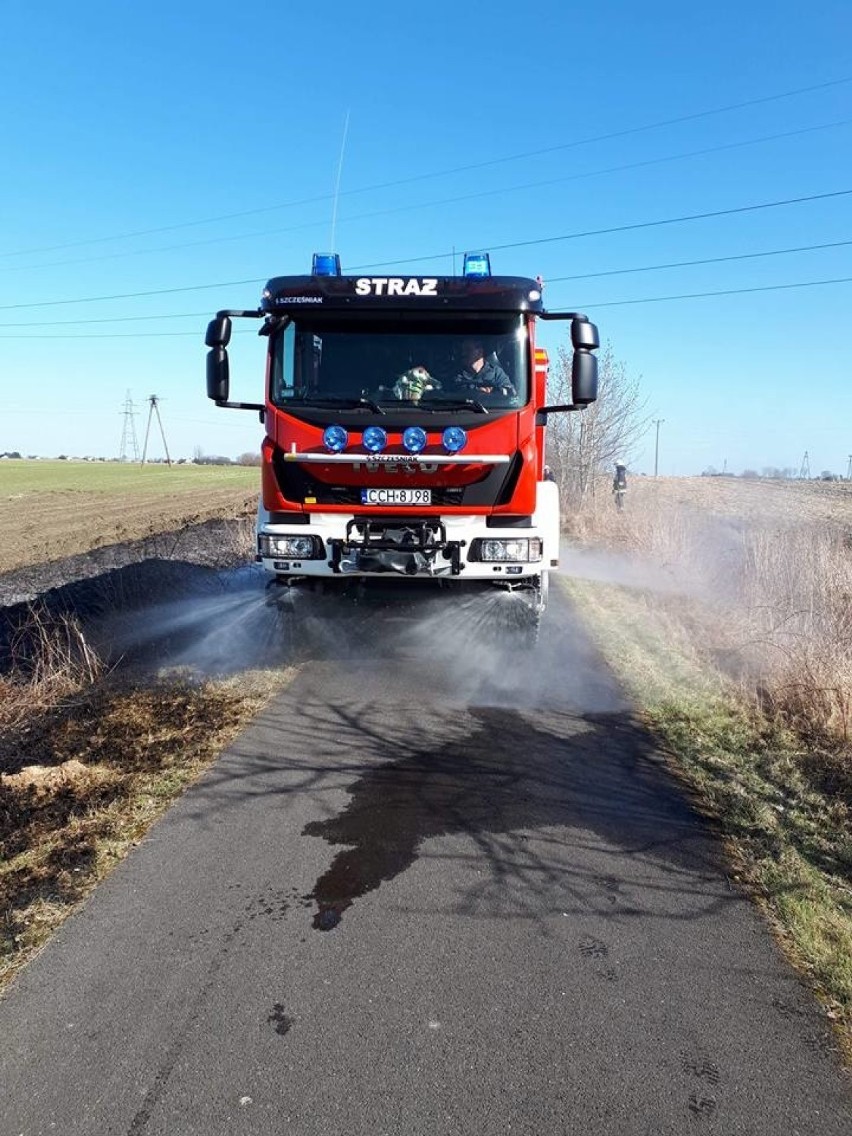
(524, 549)
(292, 547)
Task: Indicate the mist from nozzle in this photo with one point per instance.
(229, 625)
(467, 646)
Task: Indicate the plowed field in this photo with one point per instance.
(53, 510)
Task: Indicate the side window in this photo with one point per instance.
(283, 379)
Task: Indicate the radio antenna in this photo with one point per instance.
(337, 186)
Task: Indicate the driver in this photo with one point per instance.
(483, 374)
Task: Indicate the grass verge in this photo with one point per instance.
(787, 834)
(84, 777)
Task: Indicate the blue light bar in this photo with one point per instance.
(375, 439)
(454, 439)
(477, 264)
(414, 439)
(326, 264)
(335, 438)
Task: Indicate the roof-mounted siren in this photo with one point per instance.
(326, 264)
(477, 264)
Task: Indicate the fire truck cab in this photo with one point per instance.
(405, 426)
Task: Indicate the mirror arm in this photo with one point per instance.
(255, 313)
(562, 316)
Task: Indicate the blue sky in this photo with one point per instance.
(192, 151)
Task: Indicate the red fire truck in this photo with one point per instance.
(405, 427)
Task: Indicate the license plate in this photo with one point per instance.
(396, 496)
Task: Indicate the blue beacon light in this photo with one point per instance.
(325, 264)
(375, 439)
(476, 264)
(454, 439)
(414, 439)
(335, 438)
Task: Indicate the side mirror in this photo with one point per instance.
(584, 334)
(584, 365)
(218, 373)
(584, 377)
(218, 332)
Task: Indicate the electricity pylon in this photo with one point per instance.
(128, 431)
(805, 468)
(152, 410)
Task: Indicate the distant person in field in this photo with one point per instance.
(619, 484)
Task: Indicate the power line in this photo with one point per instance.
(591, 306)
(551, 280)
(723, 292)
(113, 319)
(613, 229)
(134, 295)
(573, 144)
(645, 162)
(111, 335)
(439, 256)
(684, 263)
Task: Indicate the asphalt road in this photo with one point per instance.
(432, 889)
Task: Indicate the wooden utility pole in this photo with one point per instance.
(657, 422)
(152, 410)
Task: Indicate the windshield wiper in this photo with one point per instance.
(342, 403)
(439, 404)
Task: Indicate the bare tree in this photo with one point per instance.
(586, 443)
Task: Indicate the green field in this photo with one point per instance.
(118, 477)
(53, 509)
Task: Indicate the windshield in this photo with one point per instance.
(392, 364)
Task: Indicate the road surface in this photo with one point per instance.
(431, 889)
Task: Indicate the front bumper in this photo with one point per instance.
(426, 548)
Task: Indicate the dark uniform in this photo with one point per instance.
(619, 484)
(492, 375)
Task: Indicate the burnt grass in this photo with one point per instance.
(85, 769)
(119, 577)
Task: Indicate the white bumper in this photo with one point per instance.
(448, 553)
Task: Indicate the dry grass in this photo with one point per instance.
(730, 622)
(767, 570)
(51, 660)
(88, 761)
